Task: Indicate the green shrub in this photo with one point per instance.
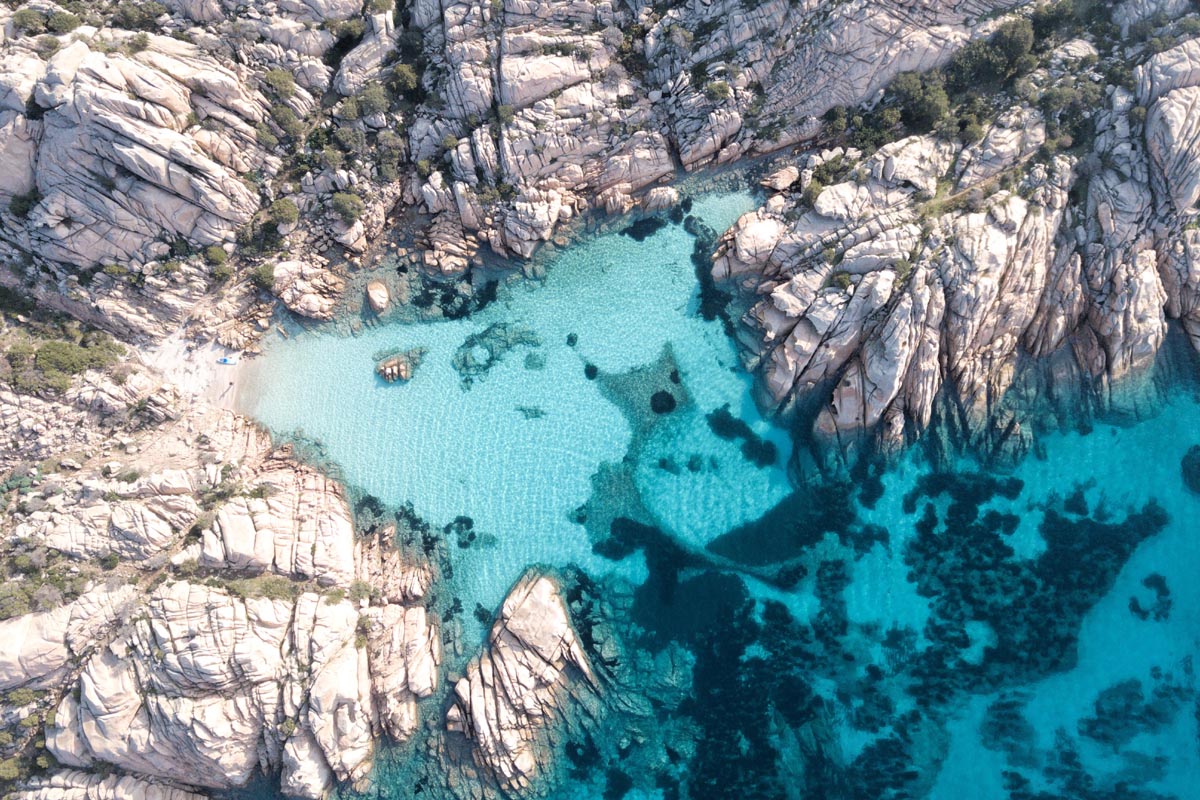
(836, 120)
(281, 82)
(22, 204)
(379, 6)
(359, 591)
(137, 43)
(28, 22)
(505, 114)
(10, 769)
(922, 99)
(372, 100)
(265, 137)
(287, 121)
(350, 139)
(138, 15)
(215, 255)
(109, 562)
(348, 29)
(404, 79)
(332, 158)
(283, 212)
(63, 22)
(272, 587)
(1014, 39)
(717, 91)
(347, 206)
(449, 141)
(19, 698)
(46, 46)
(264, 276)
(70, 358)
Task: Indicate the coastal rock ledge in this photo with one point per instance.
(520, 685)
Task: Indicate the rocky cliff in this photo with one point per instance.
(922, 285)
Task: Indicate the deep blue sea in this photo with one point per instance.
(943, 635)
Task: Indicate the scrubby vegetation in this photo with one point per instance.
(47, 351)
(988, 75)
(37, 579)
(347, 206)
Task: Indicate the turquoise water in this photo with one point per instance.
(1018, 636)
(451, 450)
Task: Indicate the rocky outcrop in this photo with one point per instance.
(916, 278)
(91, 412)
(521, 684)
(40, 646)
(74, 785)
(280, 660)
(910, 292)
(291, 520)
(117, 150)
(197, 690)
(306, 288)
(605, 102)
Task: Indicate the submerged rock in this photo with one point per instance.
(1190, 467)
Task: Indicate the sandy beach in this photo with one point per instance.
(195, 368)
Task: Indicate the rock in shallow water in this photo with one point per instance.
(511, 692)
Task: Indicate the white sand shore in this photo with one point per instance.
(194, 368)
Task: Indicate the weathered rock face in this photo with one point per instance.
(1168, 87)
(40, 646)
(210, 683)
(908, 293)
(605, 102)
(73, 785)
(869, 344)
(307, 289)
(121, 152)
(517, 688)
(36, 428)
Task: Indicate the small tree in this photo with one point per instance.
(29, 22)
(281, 82)
(215, 255)
(347, 206)
(404, 79)
(284, 212)
(372, 100)
(63, 22)
(22, 204)
(264, 276)
(717, 91)
(138, 16)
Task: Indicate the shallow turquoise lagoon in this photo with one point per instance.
(516, 450)
(1083, 689)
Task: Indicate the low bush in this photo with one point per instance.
(347, 206)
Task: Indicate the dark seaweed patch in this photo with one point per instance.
(713, 301)
(758, 451)
(644, 228)
(662, 402)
